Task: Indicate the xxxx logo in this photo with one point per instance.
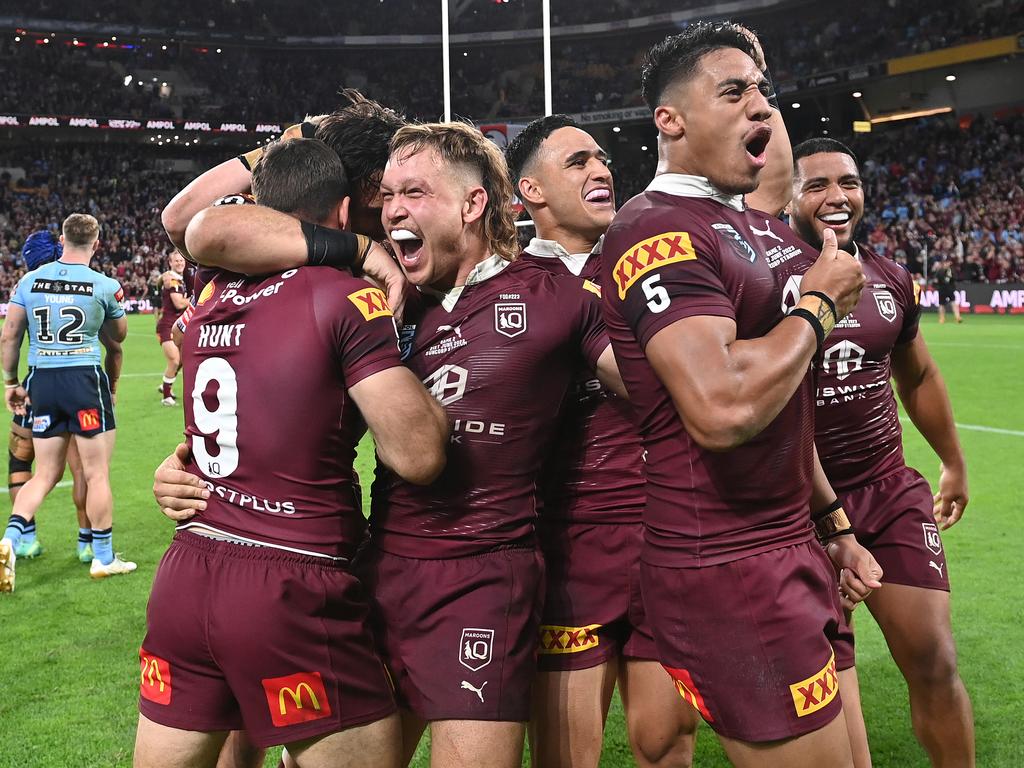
(371, 303)
(816, 691)
(155, 684)
(555, 639)
(687, 689)
(654, 252)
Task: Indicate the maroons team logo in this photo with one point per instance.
(510, 318)
(886, 305)
(475, 648)
(931, 538)
(817, 691)
(736, 243)
(649, 254)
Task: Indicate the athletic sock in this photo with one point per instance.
(168, 383)
(102, 546)
(84, 538)
(15, 529)
(29, 536)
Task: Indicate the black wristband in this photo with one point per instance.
(836, 534)
(326, 247)
(837, 504)
(819, 330)
(828, 302)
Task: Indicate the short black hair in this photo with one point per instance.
(675, 58)
(522, 148)
(819, 145)
(302, 177)
(360, 132)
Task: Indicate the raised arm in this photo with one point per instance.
(726, 390)
(409, 427)
(923, 393)
(230, 177)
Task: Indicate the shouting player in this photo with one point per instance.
(593, 629)
(69, 311)
(454, 565)
(173, 301)
(289, 653)
(859, 440)
(742, 599)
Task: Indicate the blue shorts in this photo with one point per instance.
(75, 399)
(25, 422)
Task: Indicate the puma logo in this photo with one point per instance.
(936, 566)
(767, 232)
(456, 328)
(478, 691)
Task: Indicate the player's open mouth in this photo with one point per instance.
(410, 246)
(756, 142)
(835, 220)
(601, 196)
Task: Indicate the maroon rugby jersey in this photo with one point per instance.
(499, 360)
(675, 252)
(857, 426)
(268, 361)
(168, 312)
(595, 471)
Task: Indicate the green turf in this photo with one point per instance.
(69, 671)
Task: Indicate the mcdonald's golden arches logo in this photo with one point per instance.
(296, 698)
(155, 683)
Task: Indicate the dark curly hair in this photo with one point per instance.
(675, 58)
(360, 132)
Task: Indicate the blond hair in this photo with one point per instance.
(80, 230)
(461, 144)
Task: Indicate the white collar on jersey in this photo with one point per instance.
(551, 249)
(685, 185)
(856, 251)
(485, 270)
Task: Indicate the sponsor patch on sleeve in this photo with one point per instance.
(593, 287)
(371, 302)
(817, 691)
(119, 295)
(917, 292)
(650, 254)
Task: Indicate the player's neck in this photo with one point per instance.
(75, 256)
(572, 242)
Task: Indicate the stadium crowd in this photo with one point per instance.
(257, 84)
(933, 191)
(121, 186)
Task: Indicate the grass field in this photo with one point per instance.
(69, 670)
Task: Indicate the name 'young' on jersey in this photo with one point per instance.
(857, 426)
(66, 305)
(268, 362)
(499, 355)
(671, 255)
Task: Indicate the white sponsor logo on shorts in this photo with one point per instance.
(475, 648)
(936, 566)
(931, 538)
(478, 691)
(40, 423)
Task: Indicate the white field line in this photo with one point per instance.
(981, 428)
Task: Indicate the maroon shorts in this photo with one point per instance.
(749, 642)
(163, 330)
(459, 636)
(593, 610)
(256, 638)
(894, 520)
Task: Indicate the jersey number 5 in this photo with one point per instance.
(222, 422)
(657, 296)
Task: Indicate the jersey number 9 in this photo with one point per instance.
(222, 422)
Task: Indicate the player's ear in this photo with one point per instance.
(669, 121)
(341, 213)
(474, 205)
(530, 191)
